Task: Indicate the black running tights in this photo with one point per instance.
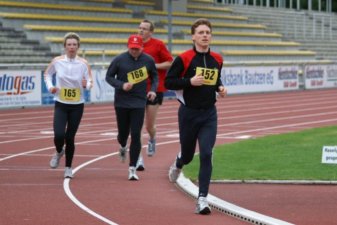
(130, 121)
(67, 118)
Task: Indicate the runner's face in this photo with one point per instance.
(71, 47)
(135, 52)
(144, 31)
(202, 37)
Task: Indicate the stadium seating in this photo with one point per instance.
(209, 9)
(63, 9)
(202, 2)
(16, 48)
(265, 55)
(39, 32)
(156, 15)
(225, 44)
(299, 26)
(325, 49)
(104, 29)
(239, 35)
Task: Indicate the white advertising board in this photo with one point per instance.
(259, 79)
(101, 91)
(20, 88)
(320, 76)
(329, 154)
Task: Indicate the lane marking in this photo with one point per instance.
(243, 137)
(176, 141)
(46, 132)
(22, 184)
(187, 187)
(47, 148)
(68, 192)
(277, 127)
(109, 134)
(66, 185)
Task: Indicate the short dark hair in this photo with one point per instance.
(151, 24)
(71, 35)
(198, 22)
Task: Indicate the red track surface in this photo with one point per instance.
(31, 193)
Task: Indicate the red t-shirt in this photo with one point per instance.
(157, 49)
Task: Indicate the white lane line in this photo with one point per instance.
(277, 127)
(25, 139)
(25, 153)
(28, 185)
(187, 187)
(43, 149)
(72, 197)
(66, 182)
(281, 118)
(224, 112)
(76, 201)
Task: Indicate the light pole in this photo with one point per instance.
(169, 25)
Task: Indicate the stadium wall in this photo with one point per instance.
(26, 88)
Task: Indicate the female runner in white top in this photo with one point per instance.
(72, 75)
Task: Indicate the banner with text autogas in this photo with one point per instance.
(20, 88)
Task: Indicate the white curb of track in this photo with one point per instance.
(228, 208)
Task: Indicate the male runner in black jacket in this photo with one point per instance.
(128, 74)
(195, 75)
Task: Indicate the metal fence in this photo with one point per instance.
(292, 4)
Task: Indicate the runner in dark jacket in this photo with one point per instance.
(128, 74)
(195, 75)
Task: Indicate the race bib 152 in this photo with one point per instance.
(210, 75)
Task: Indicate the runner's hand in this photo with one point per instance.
(222, 91)
(151, 95)
(84, 83)
(53, 90)
(197, 80)
(127, 86)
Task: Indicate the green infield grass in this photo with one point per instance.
(291, 156)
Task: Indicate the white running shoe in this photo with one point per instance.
(132, 173)
(202, 206)
(151, 148)
(122, 153)
(140, 164)
(55, 159)
(68, 173)
(174, 172)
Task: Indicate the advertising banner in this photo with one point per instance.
(20, 88)
(102, 91)
(260, 79)
(320, 76)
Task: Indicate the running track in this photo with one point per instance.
(100, 193)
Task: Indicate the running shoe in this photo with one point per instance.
(174, 172)
(132, 173)
(140, 164)
(55, 159)
(68, 173)
(202, 206)
(122, 153)
(151, 148)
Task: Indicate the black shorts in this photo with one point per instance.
(158, 100)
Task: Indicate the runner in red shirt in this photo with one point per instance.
(163, 59)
